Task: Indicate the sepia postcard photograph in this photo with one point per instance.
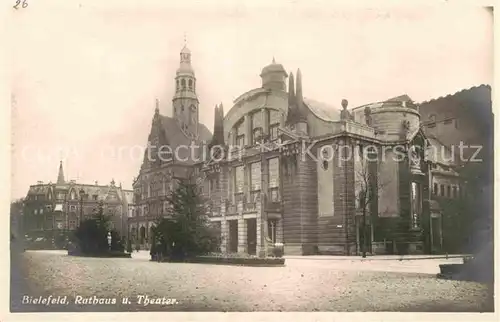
(282, 156)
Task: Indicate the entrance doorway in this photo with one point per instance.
(233, 236)
(252, 236)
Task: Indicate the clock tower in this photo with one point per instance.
(185, 101)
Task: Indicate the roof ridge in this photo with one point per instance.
(456, 93)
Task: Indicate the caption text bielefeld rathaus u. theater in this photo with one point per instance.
(266, 188)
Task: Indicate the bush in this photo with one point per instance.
(278, 250)
(116, 242)
(91, 235)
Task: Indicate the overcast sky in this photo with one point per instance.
(85, 78)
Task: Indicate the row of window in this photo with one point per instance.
(181, 84)
(251, 176)
(446, 191)
(432, 121)
(161, 208)
(155, 189)
(257, 126)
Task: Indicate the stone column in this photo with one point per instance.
(248, 129)
(224, 235)
(265, 118)
(242, 235)
(261, 215)
(233, 137)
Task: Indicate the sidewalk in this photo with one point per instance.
(375, 257)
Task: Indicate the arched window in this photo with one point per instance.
(183, 83)
(177, 85)
(190, 83)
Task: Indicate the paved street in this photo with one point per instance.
(305, 284)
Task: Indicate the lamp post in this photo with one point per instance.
(109, 240)
(82, 193)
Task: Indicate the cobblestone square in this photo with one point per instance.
(304, 284)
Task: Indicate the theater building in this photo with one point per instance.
(319, 179)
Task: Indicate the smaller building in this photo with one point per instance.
(55, 209)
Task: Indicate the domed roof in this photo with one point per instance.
(273, 68)
(185, 69)
(185, 50)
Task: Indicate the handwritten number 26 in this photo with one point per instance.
(18, 2)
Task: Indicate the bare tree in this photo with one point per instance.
(367, 187)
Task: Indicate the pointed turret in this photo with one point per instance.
(218, 137)
(60, 175)
(291, 89)
(299, 88)
(297, 112)
(221, 112)
(157, 107)
(292, 106)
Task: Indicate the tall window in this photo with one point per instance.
(441, 188)
(416, 204)
(239, 181)
(240, 134)
(240, 140)
(255, 181)
(271, 229)
(274, 179)
(274, 123)
(448, 191)
(455, 192)
(273, 131)
(256, 135)
(257, 124)
(435, 191)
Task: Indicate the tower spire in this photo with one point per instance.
(291, 89)
(60, 175)
(299, 88)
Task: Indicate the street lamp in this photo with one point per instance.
(82, 193)
(109, 240)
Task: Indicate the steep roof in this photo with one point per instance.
(176, 136)
(438, 152)
(103, 192)
(322, 110)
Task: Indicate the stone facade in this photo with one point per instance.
(291, 170)
(57, 208)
